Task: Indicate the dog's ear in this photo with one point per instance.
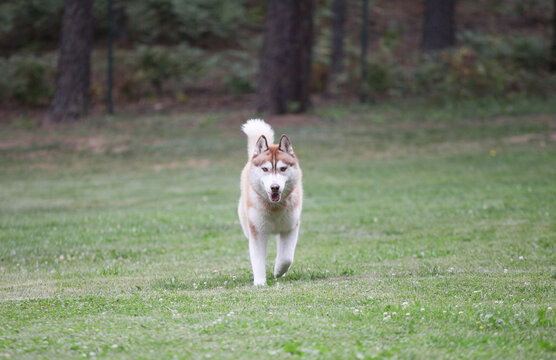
(261, 145)
(286, 145)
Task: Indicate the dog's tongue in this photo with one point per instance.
(275, 196)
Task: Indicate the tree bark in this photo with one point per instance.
(285, 60)
(72, 93)
(300, 57)
(553, 47)
(338, 33)
(438, 26)
(364, 25)
(272, 81)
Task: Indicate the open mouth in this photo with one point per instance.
(274, 196)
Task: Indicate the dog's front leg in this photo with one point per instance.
(257, 253)
(285, 250)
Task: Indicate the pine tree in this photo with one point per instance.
(285, 61)
(438, 26)
(338, 34)
(71, 96)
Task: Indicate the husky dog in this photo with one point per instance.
(271, 198)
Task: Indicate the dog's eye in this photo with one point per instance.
(265, 169)
(283, 168)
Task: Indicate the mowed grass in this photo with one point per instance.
(427, 232)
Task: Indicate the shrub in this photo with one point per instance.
(28, 23)
(155, 66)
(35, 23)
(379, 78)
(529, 51)
(428, 76)
(173, 21)
(27, 80)
(482, 66)
(240, 71)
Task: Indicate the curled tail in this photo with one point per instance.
(254, 128)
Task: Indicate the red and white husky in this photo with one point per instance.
(271, 198)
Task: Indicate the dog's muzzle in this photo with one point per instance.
(274, 196)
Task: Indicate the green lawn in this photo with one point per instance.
(427, 232)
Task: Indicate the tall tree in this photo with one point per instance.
(285, 61)
(438, 26)
(338, 34)
(301, 50)
(553, 47)
(364, 25)
(71, 96)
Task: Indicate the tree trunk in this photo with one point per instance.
(338, 33)
(71, 97)
(364, 25)
(553, 47)
(300, 57)
(438, 26)
(272, 84)
(285, 61)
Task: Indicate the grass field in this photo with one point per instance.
(427, 232)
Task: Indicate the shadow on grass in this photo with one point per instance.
(244, 278)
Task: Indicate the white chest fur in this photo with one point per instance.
(273, 221)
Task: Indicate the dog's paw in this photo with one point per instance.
(282, 268)
(259, 282)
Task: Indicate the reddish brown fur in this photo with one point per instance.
(253, 230)
(259, 216)
(273, 155)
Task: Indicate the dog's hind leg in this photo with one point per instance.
(285, 250)
(257, 253)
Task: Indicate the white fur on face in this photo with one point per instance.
(274, 179)
(265, 176)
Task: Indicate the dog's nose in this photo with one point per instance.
(275, 187)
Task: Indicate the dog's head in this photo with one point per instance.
(274, 170)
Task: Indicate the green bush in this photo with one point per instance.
(173, 21)
(529, 51)
(239, 84)
(37, 23)
(379, 78)
(27, 80)
(240, 69)
(29, 23)
(153, 67)
(428, 76)
(481, 66)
